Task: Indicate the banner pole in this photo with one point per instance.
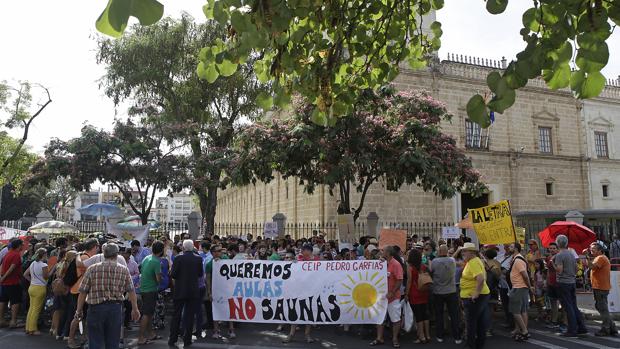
(514, 232)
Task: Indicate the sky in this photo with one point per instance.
(53, 43)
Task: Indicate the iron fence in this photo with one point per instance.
(87, 228)
(330, 229)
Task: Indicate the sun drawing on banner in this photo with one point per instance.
(363, 300)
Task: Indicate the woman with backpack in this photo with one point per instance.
(418, 295)
(60, 291)
(37, 273)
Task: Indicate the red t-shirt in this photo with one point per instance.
(12, 257)
(395, 273)
(415, 295)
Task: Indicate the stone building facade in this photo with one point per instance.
(540, 154)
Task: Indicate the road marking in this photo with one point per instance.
(572, 340)
(544, 344)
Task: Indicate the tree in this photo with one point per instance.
(390, 137)
(17, 204)
(132, 155)
(154, 68)
(330, 51)
(17, 103)
(58, 194)
(18, 160)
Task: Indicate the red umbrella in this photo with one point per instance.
(579, 236)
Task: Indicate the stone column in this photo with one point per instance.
(372, 222)
(193, 224)
(574, 216)
(280, 220)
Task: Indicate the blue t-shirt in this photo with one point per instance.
(165, 274)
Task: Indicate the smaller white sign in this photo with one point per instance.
(450, 232)
(614, 294)
(271, 230)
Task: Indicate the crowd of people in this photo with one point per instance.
(97, 286)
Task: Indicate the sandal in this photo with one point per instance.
(155, 337)
(395, 344)
(287, 339)
(309, 340)
(148, 341)
(376, 342)
(418, 341)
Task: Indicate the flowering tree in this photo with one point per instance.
(388, 135)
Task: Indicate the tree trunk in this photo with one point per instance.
(144, 217)
(212, 201)
(202, 200)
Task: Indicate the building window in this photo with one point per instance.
(549, 187)
(545, 144)
(600, 144)
(474, 137)
(605, 190)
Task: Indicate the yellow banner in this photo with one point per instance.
(493, 224)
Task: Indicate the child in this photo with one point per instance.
(540, 284)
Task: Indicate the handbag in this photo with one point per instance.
(424, 280)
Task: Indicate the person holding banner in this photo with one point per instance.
(305, 256)
(394, 309)
(600, 275)
(475, 296)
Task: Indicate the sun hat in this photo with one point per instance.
(469, 246)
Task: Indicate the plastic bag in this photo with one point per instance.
(407, 317)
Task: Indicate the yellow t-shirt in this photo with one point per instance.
(472, 269)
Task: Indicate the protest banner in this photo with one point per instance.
(393, 237)
(271, 230)
(450, 233)
(346, 231)
(493, 223)
(304, 292)
(128, 234)
(8, 233)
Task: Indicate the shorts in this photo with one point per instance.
(519, 300)
(11, 294)
(552, 292)
(420, 312)
(149, 300)
(394, 310)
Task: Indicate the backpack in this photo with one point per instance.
(492, 279)
(508, 281)
(70, 276)
(58, 285)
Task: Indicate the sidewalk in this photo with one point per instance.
(585, 301)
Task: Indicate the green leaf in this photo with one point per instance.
(437, 4)
(614, 13)
(318, 117)
(530, 19)
(496, 6)
(587, 85)
(493, 80)
(557, 78)
(264, 101)
(227, 68)
(113, 20)
(477, 111)
(593, 59)
(207, 71)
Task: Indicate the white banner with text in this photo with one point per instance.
(303, 292)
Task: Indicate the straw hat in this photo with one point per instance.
(468, 246)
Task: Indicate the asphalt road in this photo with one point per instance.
(259, 336)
